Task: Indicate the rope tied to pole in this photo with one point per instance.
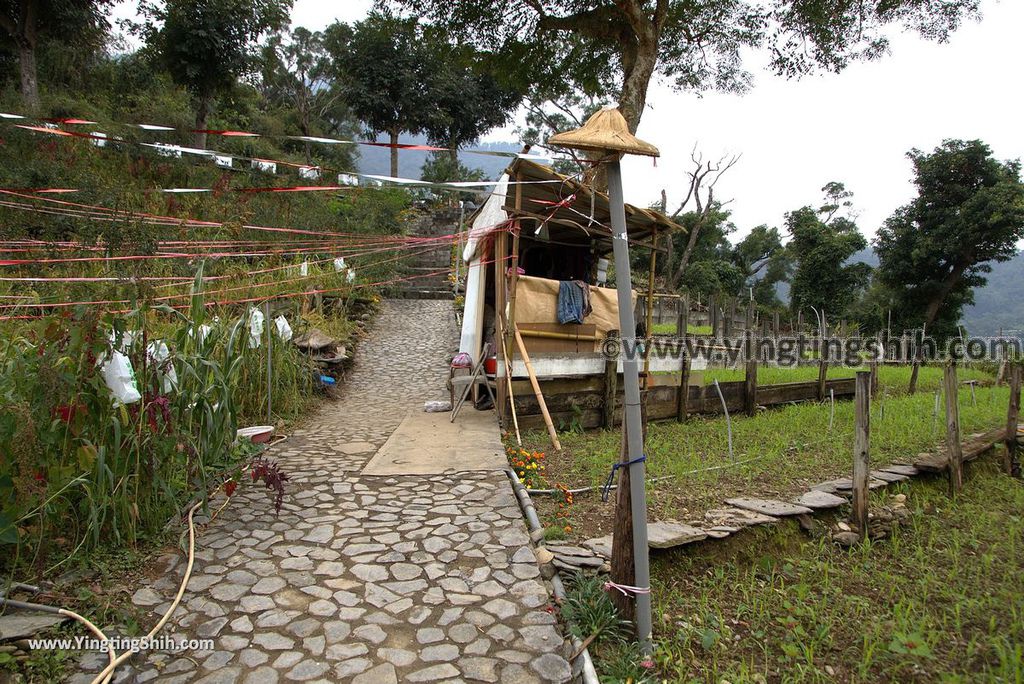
(611, 476)
(625, 589)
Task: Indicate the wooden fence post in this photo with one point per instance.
(683, 398)
(873, 368)
(750, 386)
(713, 316)
(1010, 461)
(953, 447)
(684, 317)
(611, 385)
(861, 451)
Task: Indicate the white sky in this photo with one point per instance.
(794, 136)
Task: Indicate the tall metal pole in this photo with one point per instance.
(632, 417)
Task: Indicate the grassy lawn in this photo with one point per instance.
(778, 453)
(670, 329)
(940, 601)
(893, 379)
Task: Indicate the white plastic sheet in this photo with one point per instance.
(256, 321)
(160, 356)
(284, 331)
(120, 378)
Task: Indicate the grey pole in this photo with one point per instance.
(632, 422)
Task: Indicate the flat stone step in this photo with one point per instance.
(768, 506)
(668, 534)
(819, 500)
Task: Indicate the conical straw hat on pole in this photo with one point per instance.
(605, 131)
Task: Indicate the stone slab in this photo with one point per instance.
(768, 506)
(886, 476)
(602, 546)
(430, 444)
(668, 534)
(819, 500)
(21, 626)
(901, 469)
(737, 517)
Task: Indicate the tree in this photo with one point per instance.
(933, 252)
(701, 191)
(617, 46)
(821, 245)
(26, 22)
(466, 103)
(207, 45)
(763, 262)
(297, 75)
(385, 71)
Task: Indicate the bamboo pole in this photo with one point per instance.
(536, 389)
(557, 335)
(511, 394)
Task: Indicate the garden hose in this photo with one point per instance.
(108, 672)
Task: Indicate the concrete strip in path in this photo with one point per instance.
(430, 444)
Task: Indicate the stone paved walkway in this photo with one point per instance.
(365, 579)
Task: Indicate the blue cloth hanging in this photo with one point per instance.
(570, 303)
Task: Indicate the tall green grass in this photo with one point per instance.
(81, 471)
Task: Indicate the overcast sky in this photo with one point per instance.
(855, 127)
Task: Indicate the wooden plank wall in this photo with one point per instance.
(580, 400)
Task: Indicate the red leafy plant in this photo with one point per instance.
(270, 473)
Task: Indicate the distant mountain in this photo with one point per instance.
(1000, 304)
(377, 160)
(997, 306)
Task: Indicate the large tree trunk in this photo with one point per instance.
(931, 312)
(29, 77)
(202, 112)
(691, 243)
(394, 153)
(638, 64)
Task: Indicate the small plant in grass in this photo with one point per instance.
(589, 613)
(565, 499)
(529, 466)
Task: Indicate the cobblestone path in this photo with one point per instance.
(364, 579)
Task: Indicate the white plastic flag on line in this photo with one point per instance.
(351, 276)
(339, 264)
(304, 269)
(284, 331)
(160, 355)
(255, 328)
(120, 378)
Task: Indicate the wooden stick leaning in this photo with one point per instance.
(511, 396)
(536, 388)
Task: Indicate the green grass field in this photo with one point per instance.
(894, 379)
(937, 602)
(779, 452)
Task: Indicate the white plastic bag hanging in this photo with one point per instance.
(255, 328)
(120, 378)
(284, 331)
(351, 276)
(304, 269)
(160, 355)
(339, 264)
